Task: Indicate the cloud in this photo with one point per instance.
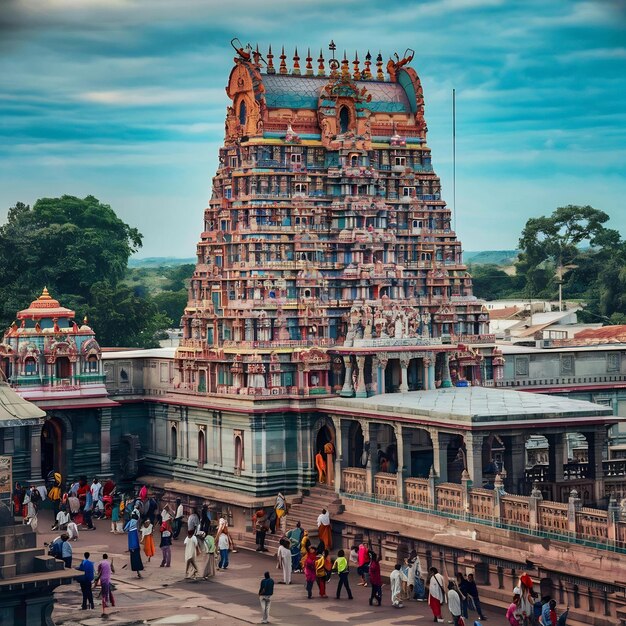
(149, 96)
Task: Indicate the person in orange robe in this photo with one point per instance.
(320, 464)
(324, 530)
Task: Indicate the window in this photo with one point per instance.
(173, 442)
(613, 362)
(201, 448)
(344, 119)
(354, 160)
(30, 366)
(239, 460)
(228, 192)
(300, 188)
(521, 366)
(408, 192)
(296, 158)
(242, 113)
(92, 364)
(567, 365)
(400, 160)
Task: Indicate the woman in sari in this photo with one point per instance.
(132, 528)
(281, 512)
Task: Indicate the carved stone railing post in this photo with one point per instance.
(432, 489)
(533, 506)
(498, 492)
(574, 505)
(404, 376)
(466, 483)
(612, 520)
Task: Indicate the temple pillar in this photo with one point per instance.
(431, 373)
(474, 453)
(374, 386)
(595, 448)
(370, 434)
(517, 464)
(347, 389)
(361, 391)
(446, 381)
(403, 447)
(338, 452)
(556, 456)
(105, 442)
(440, 454)
(381, 364)
(35, 453)
(404, 380)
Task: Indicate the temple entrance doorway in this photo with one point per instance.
(393, 376)
(457, 459)
(52, 458)
(63, 367)
(355, 450)
(325, 454)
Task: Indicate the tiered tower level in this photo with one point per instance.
(325, 234)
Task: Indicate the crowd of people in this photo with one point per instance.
(208, 545)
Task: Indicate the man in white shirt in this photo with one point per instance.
(191, 552)
(95, 489)
(436, 593)
(178, 519)
(454, 603)
(395, 582)
(324, 530)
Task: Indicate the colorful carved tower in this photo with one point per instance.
(326, 240)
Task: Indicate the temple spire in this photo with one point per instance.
(283, 66)
(367, 73)
(357, 72)
(309, 65)
(379, 67)
(321, 71)
(296, 64)
(345, 66)
(270, 62)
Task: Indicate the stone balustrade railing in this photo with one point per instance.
(532, 514)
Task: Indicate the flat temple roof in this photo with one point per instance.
(473, 406)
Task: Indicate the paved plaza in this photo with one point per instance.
(163, 597)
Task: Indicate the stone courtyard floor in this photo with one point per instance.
(162, 596)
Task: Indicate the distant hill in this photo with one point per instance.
(490, 257)
(160, 261)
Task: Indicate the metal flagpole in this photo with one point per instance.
(454, 156)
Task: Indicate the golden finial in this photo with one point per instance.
(270, 62)
(283, 66)
(367, 73)
(309, 65)
(296, 64)
(356, 73)
(45, 295)
(320, 65)
(345, 66)
(379, 67)
(86, 321)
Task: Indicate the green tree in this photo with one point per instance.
(73, 245)
(492, 283)
(550, 246)
(171, 303)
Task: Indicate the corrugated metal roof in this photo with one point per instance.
(15, 411)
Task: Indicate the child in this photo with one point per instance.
(166, 545)
(147, 540)
(115, 516)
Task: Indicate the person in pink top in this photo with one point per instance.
(105, 568)
(514, 612)
(143, 493)
(363, 560)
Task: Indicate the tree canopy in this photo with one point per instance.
(79, 248)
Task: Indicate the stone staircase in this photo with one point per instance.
(305, 509)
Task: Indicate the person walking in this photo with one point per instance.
(472, 596)
(514, 612)
(209, 548)
(454, 603)
(147, 540)
(178, 518)
(284, 558)
(105, 568)
(320, 573)
(260, 525)
(436, 593)
(461, 587)
(86, 566)
(166, 545)
(324, 529)
(224, 545)
(191, 553)
(363, 561)
(295, 537)
(375, 580)
(193, 521)
(66, 550)
(341, 565)
(309, 571)
(266, 591)
(395, 582)
(132, 528)
(88, 511)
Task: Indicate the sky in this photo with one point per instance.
(125, 100)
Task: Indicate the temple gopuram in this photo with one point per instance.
(327, 262)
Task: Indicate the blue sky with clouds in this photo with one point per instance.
(125, 100)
